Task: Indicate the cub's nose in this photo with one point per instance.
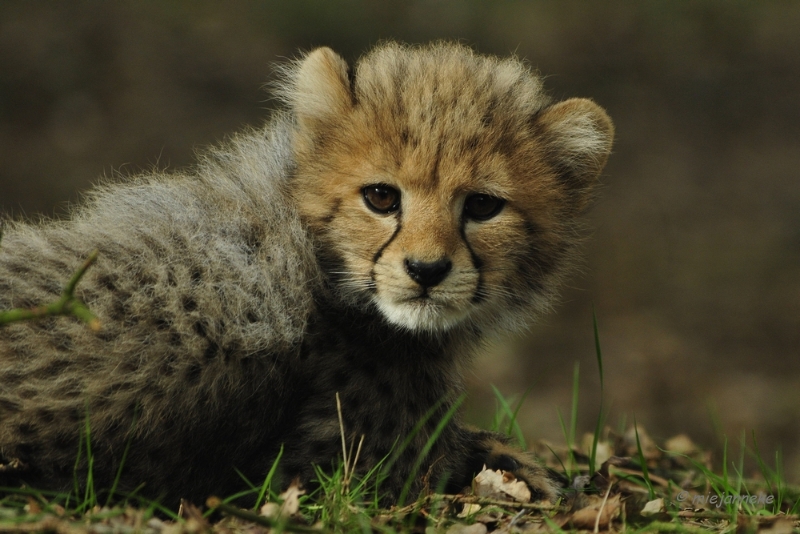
(428, 274)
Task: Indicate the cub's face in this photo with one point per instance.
(439, 185)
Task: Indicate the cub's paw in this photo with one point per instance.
(543, 483)
(492, 450)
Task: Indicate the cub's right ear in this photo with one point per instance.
(320, 89)
(577, 135)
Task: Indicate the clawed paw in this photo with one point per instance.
(542, 482)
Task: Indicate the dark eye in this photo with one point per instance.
(480, 207)
(381, 198)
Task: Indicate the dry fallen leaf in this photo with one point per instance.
(290, 506)
(469, 509)
(603, 452)
(587, 517)
(681, 444)
(653, 507)
(475, 528)
(781, 526)
(649, 448)
(500, 485)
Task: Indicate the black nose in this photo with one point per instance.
(428, 274)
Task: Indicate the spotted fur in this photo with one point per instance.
(238, 299)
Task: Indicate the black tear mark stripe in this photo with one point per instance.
(379, 253)
(478, 296)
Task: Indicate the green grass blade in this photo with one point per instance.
(645, 473)
(599, 424)
(573, 425)
(570, 454)
(268, 480)
(423, 454)
(513, 427)
(118, 476)
(597, 349)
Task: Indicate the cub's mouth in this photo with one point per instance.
(423, 311)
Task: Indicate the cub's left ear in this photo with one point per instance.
(577, 135)
(320, 90)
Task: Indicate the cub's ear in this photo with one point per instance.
(320, 90)
(577, 135)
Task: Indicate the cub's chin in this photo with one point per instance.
(423, 314)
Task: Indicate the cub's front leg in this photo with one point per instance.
(490, 449)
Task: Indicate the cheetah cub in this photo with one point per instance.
(363, 243)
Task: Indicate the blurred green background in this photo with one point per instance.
(694, 264)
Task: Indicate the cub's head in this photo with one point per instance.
(442, 187)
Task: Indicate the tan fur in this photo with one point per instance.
(237, 300)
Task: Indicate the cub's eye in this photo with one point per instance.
(381, 198)
(480, 207)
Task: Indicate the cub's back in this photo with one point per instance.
(203, 286)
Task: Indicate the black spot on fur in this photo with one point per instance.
(211, 351)
(108, 281)
(171, 281)
(9, 405)
(200, 328)
(108, 334)
(18, 268)
(118, 310)
(54, 369)
(71, 388)
(193, 373)
(143, 279)
(26, 302)
(197, 275)
(189, 304)
(472, 144)
(27, 393)
(175, 339)
(45, 415)
(253, 239)
(154, 245)
(74, 416)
